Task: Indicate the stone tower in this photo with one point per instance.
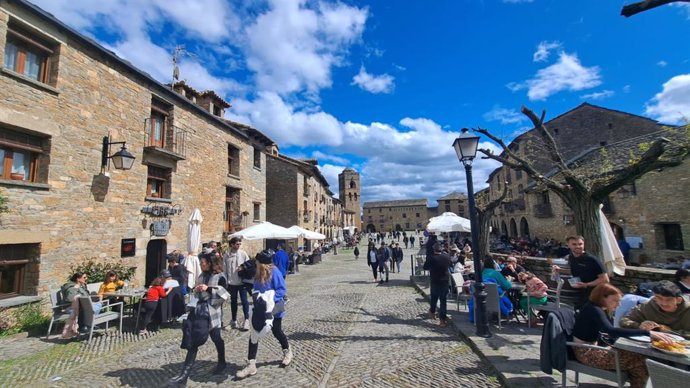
(350, 191)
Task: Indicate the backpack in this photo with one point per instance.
(247, 269)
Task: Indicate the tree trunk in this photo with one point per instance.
(585, 215)
(483, 222)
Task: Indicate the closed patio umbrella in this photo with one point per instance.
(611, 254)
(191, 262)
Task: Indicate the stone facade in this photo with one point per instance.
(299, 195)
(387, 216)
(69, 210)
(654, 209)
(350, 190)
(454, 202)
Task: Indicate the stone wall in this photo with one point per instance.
(94, 96)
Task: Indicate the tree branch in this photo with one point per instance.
(646, 5)
(649, 161)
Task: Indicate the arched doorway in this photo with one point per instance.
(513, 228)
(504, 229)
(155, 259)
(524, 227)
(371, 228)
(398, 228)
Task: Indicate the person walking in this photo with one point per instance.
(269, 290)
(205, 319)
(383, 257)
(397, 257)
(372, 261)
(356, 252)
(412, 241)
(281, 260)
(233, 260)
(437, 264)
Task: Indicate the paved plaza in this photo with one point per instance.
(345, 330)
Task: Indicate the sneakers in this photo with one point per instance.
(287, 357)
(233, 324)
(249, 370)
(247, 325)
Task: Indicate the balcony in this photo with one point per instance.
(306, 218)
(168, 140)
(543, 210)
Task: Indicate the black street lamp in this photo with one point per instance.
(122, 159)
(466, 149)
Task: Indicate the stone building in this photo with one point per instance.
(298, 194)
(455, 202)
(350, 191)
(62, 94)
(387, 216)
(653, 211)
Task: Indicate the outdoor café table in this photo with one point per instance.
(132, 295)
(514, 294)
(645, 349)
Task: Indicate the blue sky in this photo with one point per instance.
(385, 86)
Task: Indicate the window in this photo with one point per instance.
(404, 215)
(380, 210)
(447, 206)
(407, 225)
(672, 236)
(14, 265)
(518, 174)
(28, 55)
(157, 128)
(158, 182)
(353, 184)
(233, 218)
(417, 215)
(257, 211)
(233, 160)
(257, 158)
(21, 156)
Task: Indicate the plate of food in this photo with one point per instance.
(674, 348)
(641, 338)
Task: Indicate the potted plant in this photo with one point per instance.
(17, 176)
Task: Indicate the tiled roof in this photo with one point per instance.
(453, 195)
(399, 202)
(216, 97)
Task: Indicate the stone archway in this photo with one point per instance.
(371, 228)
(524, 227)
(504, 229)
(513, 228)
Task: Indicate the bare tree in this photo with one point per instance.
(646, 5)
(584, 189)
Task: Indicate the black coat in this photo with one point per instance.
(196, 328)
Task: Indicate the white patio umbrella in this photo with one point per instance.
(448, 222)
(191, 262)
(307, 234)
(265, 230)
(610, 252)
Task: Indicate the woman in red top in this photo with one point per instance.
(153, 295)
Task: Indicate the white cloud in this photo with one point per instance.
(323, 156)
(373, 83)
(662, 63)
(504, 115)
(544, 49)
(566, 74)
(684, 7)
(627, 88)
(598, 95)
(292, 48)
(672, 104)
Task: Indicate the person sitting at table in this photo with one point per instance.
(178, 271)
(111, 284)
(169, 281)
(153, 295)
(71, 291)
(535, 290)
(683, 281)
(512, 269)
(666, 311)
(489, 272)
(593, 320)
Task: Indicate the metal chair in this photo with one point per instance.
(57, 307)
(458, 284)
(618, 376)
(104, 315)
(553, 300)
(493, 300)
(662, 375)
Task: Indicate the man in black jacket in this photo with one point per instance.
(437, 264)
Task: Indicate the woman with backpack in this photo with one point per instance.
(210, 294)
(269, 292)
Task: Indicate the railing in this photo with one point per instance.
(543, 210)
(172, 139)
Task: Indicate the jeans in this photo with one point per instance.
(439, 293)
(277, 330)
(150, 307)
(242, 290)
(383, 267)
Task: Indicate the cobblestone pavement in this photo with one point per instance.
(344, 329)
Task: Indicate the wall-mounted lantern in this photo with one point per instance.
(122, 159)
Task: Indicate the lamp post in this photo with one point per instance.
(122, 159)
(466, 149)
